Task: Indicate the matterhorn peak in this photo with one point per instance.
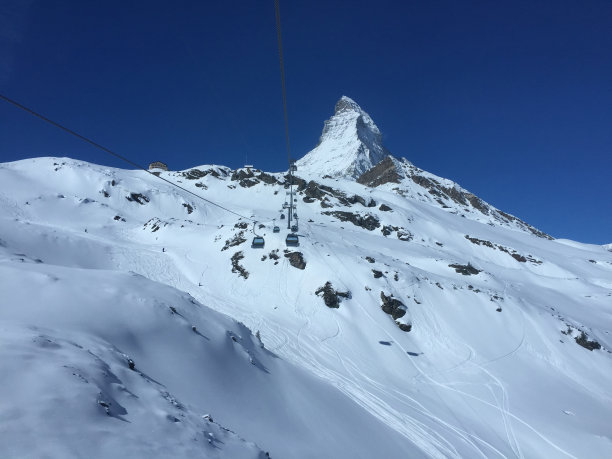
(346, 103)
(350, 144)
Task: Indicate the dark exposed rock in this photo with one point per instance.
(245, 178)
(477, 241)
(455, 195)
(370, 259)
(377, 274)
(242, 174)
(137, 197)
(313, 191)
(248, 183)
(195, 174)
(241, 225)
(368, 222)
(237, 267)
(236, 240)
(316, 191)
(383, 172)
(189, 207)
(387, 229)
(357, 199)
(404, 327)
(331, 297)
(392, 306)
(155, 224)
(584, 341)
(267, 178)
(296, 259)
(477, 203)
(385, 208)
(423, 181)
(404, 235)
(466, 270)
(513, 253)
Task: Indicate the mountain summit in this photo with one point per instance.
(350, 143)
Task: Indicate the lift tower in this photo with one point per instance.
(292, 169)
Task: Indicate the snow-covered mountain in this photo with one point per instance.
(414, 319)
(349, 145)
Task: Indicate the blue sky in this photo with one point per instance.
(512, 100)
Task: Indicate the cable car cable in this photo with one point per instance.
(282, 70)
(116, 155)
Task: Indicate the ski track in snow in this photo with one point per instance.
(502, 407)
(411, 437)
(159, 267)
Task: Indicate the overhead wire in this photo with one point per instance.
(116, 155)
(282, 71)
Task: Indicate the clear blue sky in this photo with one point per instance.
(511, 99)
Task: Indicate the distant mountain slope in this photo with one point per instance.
(351, 147)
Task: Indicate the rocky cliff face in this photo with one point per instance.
(405, 179)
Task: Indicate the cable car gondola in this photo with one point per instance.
(292, 240)
(258, 242)
(276, 229)
(282, 217)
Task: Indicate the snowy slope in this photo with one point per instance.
(490, 367)
(74, 313)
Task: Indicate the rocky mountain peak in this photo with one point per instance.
(346, 103)
(349, 145)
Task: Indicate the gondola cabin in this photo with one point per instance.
(282, 217)
(292, 240)
(276, 229)
(258, 242)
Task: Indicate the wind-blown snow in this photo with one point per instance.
(101, 267)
